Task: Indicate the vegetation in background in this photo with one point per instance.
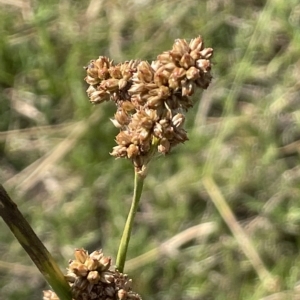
(243, 148)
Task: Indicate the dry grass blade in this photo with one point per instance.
(30, 175)
(269, 281)
(93, 9)
(171, 246)
(18, 269)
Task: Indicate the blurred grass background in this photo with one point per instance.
(244, 139)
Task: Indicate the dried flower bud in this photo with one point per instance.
(111, 84)
(161, 77)
(129, 68)
(97, 70)
(203, 65)
(127, 106)
(192, 73)
(78, 268)
(196, 44)
(106, 277)
(124, 138)
(122, 84)
(206, 53)
(164, 58)
(132, 151)
(70, 276)
(92, 80)
(119, 151)
(195, 54)
(115, 72)
(186, 61)
(93, 277)
(176, 56)
(81, 255)
(97, 96)
(164, 146)
(104, 263)
(97, 255)
(188, 87)
(144, 72)
(122, 117)
(181, 46)
(178, 120)
(137, 88)
(122, 294)
(91, 263)
(49, 295)
(154, 101)
(178, 73)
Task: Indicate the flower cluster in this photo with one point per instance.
(91, 277)
(151, 98)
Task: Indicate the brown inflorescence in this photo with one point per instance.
(151, 98)
(91, 277)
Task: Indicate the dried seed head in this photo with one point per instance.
(100, 283)
(150, 98)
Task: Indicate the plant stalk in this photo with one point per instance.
(33, 246)
(138, 188)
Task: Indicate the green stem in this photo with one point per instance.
(138, 188)
(33, 246)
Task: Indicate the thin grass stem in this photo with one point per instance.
(269, 281)
(138, 188)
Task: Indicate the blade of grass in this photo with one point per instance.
(269, 282)
(172, 245)
(31, 174)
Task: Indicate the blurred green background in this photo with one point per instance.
(244, 136)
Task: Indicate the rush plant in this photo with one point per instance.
(151, 100)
